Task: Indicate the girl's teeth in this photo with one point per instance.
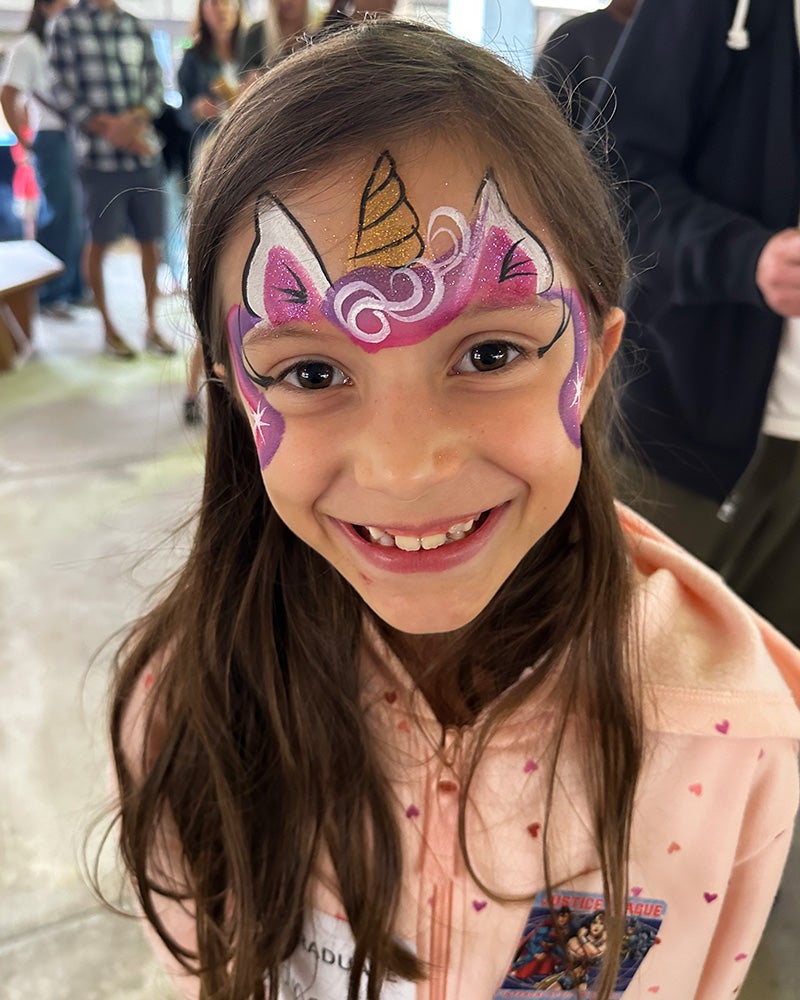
(408, 543)
(463, 528)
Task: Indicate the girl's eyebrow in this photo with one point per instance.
(264, 330)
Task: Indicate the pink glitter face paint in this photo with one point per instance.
(268, 425)
(493, 261)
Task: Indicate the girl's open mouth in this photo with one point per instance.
(388, 538)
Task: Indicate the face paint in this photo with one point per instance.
(400, 297)
(569, 398)
(494, 261)
(268, 425)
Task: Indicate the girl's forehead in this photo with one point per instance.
(382, 195)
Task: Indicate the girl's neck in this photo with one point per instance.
(453, 699)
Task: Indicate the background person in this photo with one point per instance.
(707, 126)
(108, 83)
(60, 224)
(275, 35)
(575, 56)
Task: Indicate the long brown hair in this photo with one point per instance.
(265, 759)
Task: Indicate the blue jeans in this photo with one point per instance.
(63, 224)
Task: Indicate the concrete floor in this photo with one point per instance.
(96, 468)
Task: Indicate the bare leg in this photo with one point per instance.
(93, 262)
(150, 259)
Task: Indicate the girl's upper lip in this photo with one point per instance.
(437, 527)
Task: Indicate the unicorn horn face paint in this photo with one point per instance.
(412, 357)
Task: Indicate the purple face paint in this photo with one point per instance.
(268, 425)
(569, 397)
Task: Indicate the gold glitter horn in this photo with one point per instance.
(388, 227)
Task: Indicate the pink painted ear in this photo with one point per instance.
(284, 278)
(511, 250)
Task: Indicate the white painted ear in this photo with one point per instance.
(298, 269)
(526, 248)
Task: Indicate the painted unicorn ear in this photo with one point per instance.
(525, 255)
(284, 272)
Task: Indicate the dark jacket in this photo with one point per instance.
(574, 59)
(710, 139)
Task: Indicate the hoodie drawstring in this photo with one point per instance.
(739, 36)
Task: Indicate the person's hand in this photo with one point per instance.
(778, 273)
(126, 131)
(203, 109)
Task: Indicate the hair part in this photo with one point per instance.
(267, 761)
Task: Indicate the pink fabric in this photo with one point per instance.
(716, 805)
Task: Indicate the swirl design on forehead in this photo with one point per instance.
(493, 259)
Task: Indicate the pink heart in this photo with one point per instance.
(402, 725)
(709, 897)
(530, 765)
(478, 905)
(148, 681)
(412, 812)
(673, 847)
(653, 989)
(723, 727)
(696, 789)
(740, 956)
(636, 890)
(534, 828)
(390, 696)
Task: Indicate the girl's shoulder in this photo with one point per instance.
(705, 656)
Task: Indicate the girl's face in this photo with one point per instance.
(414, 361)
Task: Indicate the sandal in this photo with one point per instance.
(118, 348)
(156, 344)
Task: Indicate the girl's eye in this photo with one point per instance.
(313, 375)
(490, 356)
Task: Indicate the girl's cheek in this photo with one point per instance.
(267, 424)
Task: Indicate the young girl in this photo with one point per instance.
(422, 695)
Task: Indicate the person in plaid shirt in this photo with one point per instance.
(108, 84)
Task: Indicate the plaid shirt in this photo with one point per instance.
(103, 61)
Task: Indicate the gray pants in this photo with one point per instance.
(753, 540)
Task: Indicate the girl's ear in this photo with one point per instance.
(601, 352)
(221, 373)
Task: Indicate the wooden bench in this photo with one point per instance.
(24, 265)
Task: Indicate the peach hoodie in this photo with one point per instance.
(716, 805)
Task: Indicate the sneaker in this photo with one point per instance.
(192, 415)
(156, 344)
(56, 310)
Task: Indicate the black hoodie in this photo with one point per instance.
(709, 138)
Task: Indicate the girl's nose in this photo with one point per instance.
(406, 447)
